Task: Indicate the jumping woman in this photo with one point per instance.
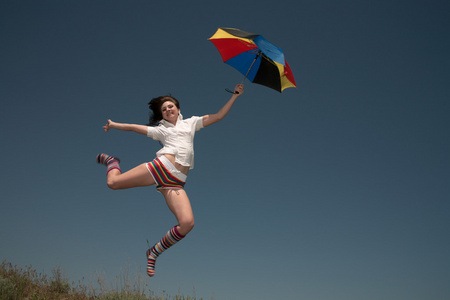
(168, 171)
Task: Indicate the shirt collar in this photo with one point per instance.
(167, 124)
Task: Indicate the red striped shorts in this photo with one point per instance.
(165, 174)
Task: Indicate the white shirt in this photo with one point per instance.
(177, 139)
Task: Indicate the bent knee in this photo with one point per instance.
(112, 184)
(186, 226)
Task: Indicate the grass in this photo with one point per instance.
(26, 283)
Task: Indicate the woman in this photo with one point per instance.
(168, 171)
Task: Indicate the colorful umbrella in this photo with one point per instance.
(252, 55)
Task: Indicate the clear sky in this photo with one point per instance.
(338, 189)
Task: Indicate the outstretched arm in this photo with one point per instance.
(214, 118)
(142, 129)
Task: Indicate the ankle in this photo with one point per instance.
(106, 159)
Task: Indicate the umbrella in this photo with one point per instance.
(255, 57)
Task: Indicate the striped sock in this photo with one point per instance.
(111, 162)
(171, 238)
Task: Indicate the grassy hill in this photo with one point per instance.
(18, 283)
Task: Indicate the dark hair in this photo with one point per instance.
(155, 107)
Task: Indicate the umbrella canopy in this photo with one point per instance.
(255, 57)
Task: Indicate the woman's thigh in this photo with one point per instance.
(178, 202)
(136, 177)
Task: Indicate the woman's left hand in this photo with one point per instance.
(239, 89)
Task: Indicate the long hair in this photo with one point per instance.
(155, 104)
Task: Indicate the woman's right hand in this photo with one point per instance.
(107, 125)
(142, 129)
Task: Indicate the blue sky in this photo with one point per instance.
(338, 189)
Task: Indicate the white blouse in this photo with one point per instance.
(177, 139)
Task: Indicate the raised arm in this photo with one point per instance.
(214, 118)
(142, 129)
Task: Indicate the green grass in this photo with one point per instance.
(26, 283)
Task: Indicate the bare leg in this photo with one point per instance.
(138, 176)
(178, 202)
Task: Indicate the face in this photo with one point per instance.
(170, 111)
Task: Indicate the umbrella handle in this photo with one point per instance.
(230, 91)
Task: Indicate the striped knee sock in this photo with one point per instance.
(111, 162)
(171, 238)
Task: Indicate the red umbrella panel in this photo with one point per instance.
(255, 57)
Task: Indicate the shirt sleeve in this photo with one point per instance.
(153, 132)
(197, 123)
